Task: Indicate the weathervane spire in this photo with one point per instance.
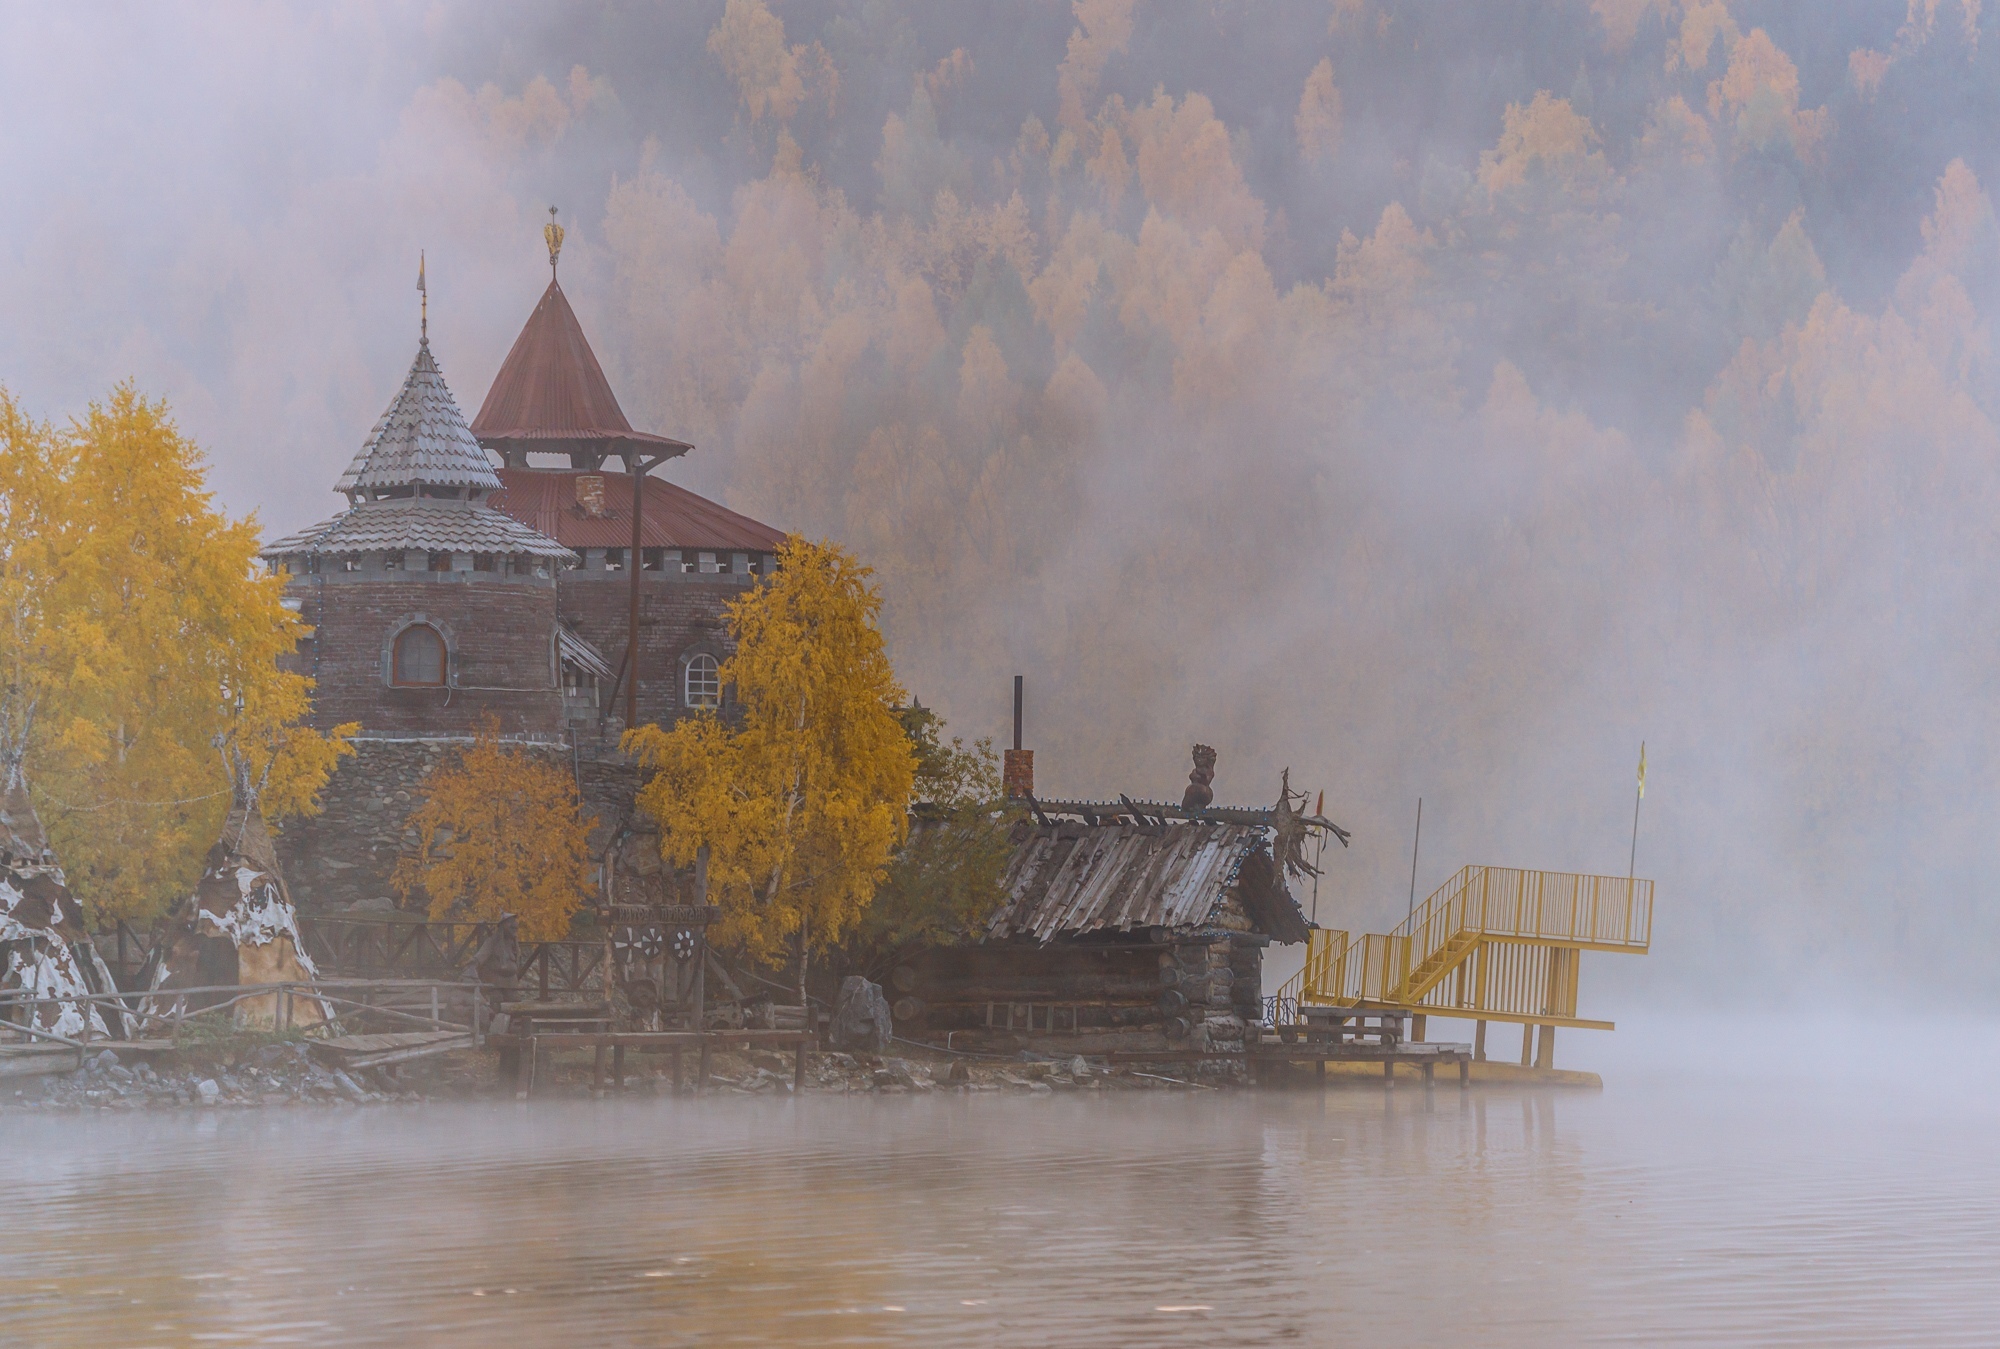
(552, 234)
(423, 305)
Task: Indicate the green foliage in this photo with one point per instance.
(945, 881)
(949, 775)
(214, 1040)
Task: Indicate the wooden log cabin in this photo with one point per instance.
(1128, 928)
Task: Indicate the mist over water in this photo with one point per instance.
(1434, 400)
(1698, 1209)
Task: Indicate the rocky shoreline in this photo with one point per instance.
(286, 1075)
(276, 1075)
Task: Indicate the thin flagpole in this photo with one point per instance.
(1319, 851)
(1632, 866)
(1414, 845)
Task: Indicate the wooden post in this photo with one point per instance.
(701, 1070)
(610, 982)
(1417, 1028)
(1545, 1057)
(434, 1006)
(1465, 1071)
(1527, 1045)
(1319, 1073)
(1388, 1072)
(635, 561)
(524, 1068)
(1479, 1041)
(700, 940)
(1429, 1077)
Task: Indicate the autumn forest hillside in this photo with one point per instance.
(1436, 400)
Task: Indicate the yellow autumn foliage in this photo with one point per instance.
(800, 790)
(139, 635)
(500, 832)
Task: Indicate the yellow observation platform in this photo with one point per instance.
(1491, 944)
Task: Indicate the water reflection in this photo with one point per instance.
(1647, 1215)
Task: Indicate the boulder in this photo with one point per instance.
(903, 1073)
(861, 1021)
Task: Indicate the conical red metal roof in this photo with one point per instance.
(551, 395)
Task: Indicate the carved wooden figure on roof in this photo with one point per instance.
(1199, 791)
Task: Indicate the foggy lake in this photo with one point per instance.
(1674, 1206)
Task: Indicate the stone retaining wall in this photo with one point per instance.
(346, 853)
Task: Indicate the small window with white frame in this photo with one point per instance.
(701, 682)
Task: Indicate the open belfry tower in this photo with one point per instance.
(1491, 944)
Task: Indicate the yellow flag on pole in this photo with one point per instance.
(1642, 768)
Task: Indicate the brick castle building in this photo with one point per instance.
(487, 571)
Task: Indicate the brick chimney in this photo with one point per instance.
(1017, 771)
(590, 495)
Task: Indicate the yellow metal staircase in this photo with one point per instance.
(1492, 944)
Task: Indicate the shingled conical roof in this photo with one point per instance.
(420, 483)
(551, 396)
(421, 441)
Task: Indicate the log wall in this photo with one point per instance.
(1188, 991)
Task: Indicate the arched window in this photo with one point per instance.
(701, 683)
(419, 657)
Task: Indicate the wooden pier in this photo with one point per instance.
(525, 1050)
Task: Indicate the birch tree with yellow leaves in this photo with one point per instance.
(500, 833)
(800, 786)
(140, 641)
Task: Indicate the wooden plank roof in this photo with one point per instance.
(1066, 878)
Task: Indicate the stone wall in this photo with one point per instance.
(346, 853)
(678, 616)
(500, 631)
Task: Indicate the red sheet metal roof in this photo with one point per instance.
(546, 500)
(551, 394)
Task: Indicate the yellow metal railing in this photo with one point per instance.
(1612, 913)
(1324, 949)
(1498, 943)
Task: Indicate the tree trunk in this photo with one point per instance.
(803, 922)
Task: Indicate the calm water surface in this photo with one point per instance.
(1665, 1210)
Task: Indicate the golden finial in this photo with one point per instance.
(553, 234)
(423, 305)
